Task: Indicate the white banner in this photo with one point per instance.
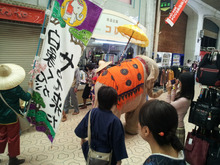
(66, 36)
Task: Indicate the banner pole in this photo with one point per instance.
(157, 30)
(42, 30)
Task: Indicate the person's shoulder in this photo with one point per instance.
(150, 160)
(159, 159)
(115, 118)
(16, 89)
(184, 100)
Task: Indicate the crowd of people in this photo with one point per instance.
(160, 122)
(71, 101)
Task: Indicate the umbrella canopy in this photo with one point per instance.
(134, 34)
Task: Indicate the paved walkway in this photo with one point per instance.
(36, 149)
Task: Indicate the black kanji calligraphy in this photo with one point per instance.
(69, 61)
(54, 39)
(59, 73)
(57, 103)
(59, 86)
(51, 75)
(51, 54)
(46, 91)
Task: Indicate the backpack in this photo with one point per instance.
(208, 72)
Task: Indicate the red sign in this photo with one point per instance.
(177, 10)
(23, 14)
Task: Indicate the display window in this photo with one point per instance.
(106, 50)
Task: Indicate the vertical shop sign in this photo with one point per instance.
(69, 30)
(177, 10)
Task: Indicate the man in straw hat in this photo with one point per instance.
(102, 66)
(11, 76)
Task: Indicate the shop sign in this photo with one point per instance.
(165, 5)
(23, 14)
(177, 10)
(106, 27)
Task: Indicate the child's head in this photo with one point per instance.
(107, 97)
(161, 119)
(89, 66)
(187, 85)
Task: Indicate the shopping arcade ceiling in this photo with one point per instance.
(214, 3)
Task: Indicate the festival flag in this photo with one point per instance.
(68, 32)
(177, 10)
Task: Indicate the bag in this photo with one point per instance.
(204, 116)
(94, 157)
(210, 96)
(213, 157)
(98, 158)
(195, 150)
(209, 71)
(23, 121)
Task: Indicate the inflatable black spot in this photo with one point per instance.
(139, 76)
(104, 73)
(128, 82)
(135, 66)
(124, 71)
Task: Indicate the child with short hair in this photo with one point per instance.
(107, 132)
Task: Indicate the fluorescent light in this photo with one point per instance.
(110, 42)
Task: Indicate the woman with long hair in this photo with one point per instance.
(181, 98)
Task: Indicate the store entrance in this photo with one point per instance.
(106, 50)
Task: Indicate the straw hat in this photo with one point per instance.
(11, 75)
(102, 65)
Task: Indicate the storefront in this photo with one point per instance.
(106, 42)
(20, 29)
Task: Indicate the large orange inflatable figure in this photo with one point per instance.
(133, 79)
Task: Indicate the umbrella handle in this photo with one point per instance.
(125, 47)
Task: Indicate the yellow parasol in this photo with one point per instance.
(134, 34)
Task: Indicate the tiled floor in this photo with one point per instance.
(36, 149)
